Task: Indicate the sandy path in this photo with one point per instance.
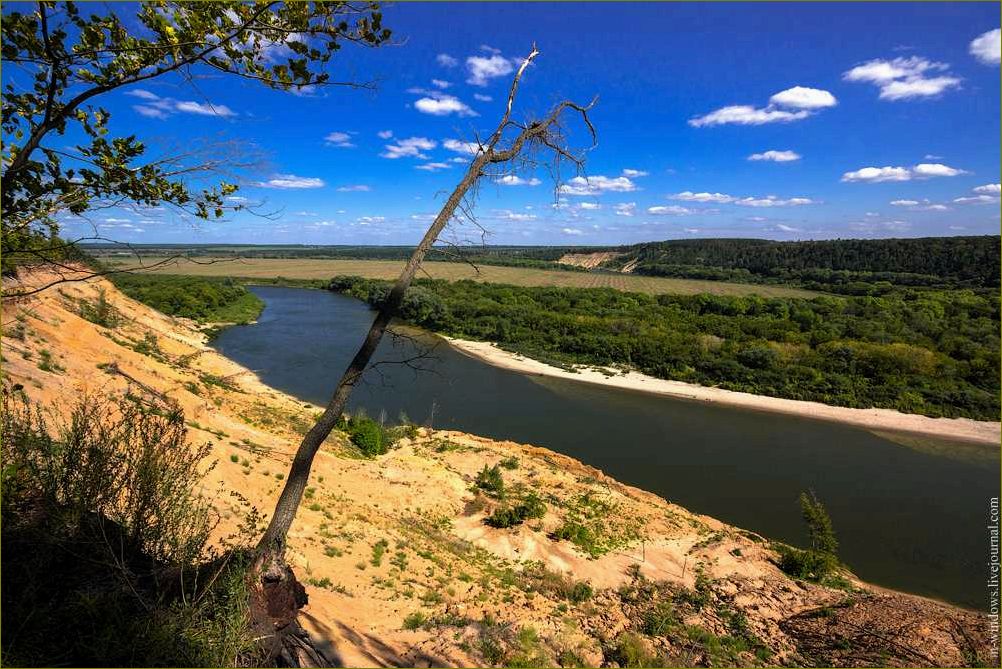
(963, 429)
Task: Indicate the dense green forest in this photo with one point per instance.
(206, 299)
(850, 266)
(931, 352)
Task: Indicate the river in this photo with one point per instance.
(907, 518)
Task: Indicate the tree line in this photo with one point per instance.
(851, 266)
(929, 352)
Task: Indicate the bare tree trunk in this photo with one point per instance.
(545, 133)
(285, 510)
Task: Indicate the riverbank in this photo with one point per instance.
(961, 429)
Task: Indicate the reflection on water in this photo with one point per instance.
(907, 518)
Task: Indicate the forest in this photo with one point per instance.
(206, 299)
(930, 352)
(848, 266)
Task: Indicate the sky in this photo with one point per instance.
(781, 120)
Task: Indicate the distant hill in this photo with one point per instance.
(928, 261)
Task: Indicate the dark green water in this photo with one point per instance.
(908, 519)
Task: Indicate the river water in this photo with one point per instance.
(907, 517)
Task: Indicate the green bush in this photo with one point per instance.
(491, 481)
(106, 560)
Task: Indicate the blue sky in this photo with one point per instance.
(867, 120)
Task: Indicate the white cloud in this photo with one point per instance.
(904, 203)
(903, 78)
(482, 98)
(158, 107)
(207, 109)
(409, 148)
(670, 210)
(976, 199)
(633, 174)
(935, 170)
(987, 47)
(689, 196)
(433, 167)
(292, 181)
(354, 188)
(445, 60)
(595, 185)
(589, 206)
(801, 97)
(626, 208)
(746, 115)
(772, 201)
(470, 148)
(571, 231)
(483, 69)
(339, 139)
(368, 220)
(880, 226)
(930, 156)
(384, 134)
(443, 105)
(786, 228)
(792, 104)
(776, 156)
(888, 173)
(988, 188)
(512, 180)
(508, 215)
(440, 83)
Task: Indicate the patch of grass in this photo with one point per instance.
(415, 620)
(47, 363)
(491, 481)
(378, 551)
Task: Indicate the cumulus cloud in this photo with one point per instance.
(633, 174)
(443, 105)
(989, 188)
(291, 181)
(772, 201)
(670, 210)
(433, 167)
(801, 97)
(354, 188)
(482, 98)
(384, 134)
(792, 104)
(888, 173)
(987, 47)
(776, 156)
(439, 83)
(508, 215)
(723, 198)
(469, 148)
(589, 206)
(626, 208)
(571, 231)
(689, 196)
(445, 60)
(158, 107)
(512, 180)
(904, 78)
(409, 148)
(484, 68)
(339, 139)
(596, 185)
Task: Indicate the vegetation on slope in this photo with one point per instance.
(929, 352)
(106, 560)
(850, 266)
(205, 299)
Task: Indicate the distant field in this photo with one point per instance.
(388, 269)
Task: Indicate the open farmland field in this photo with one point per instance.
(269, 268)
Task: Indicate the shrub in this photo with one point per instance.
(490, 480)
(819, 524)
(367, 435)
(415, 620)
(530, 507)
(106, 539)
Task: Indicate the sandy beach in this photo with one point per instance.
(963, 429)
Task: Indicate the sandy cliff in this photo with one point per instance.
(402, 536)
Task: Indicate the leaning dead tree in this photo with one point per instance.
(510, 147)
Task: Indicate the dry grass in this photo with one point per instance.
(388, 269)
